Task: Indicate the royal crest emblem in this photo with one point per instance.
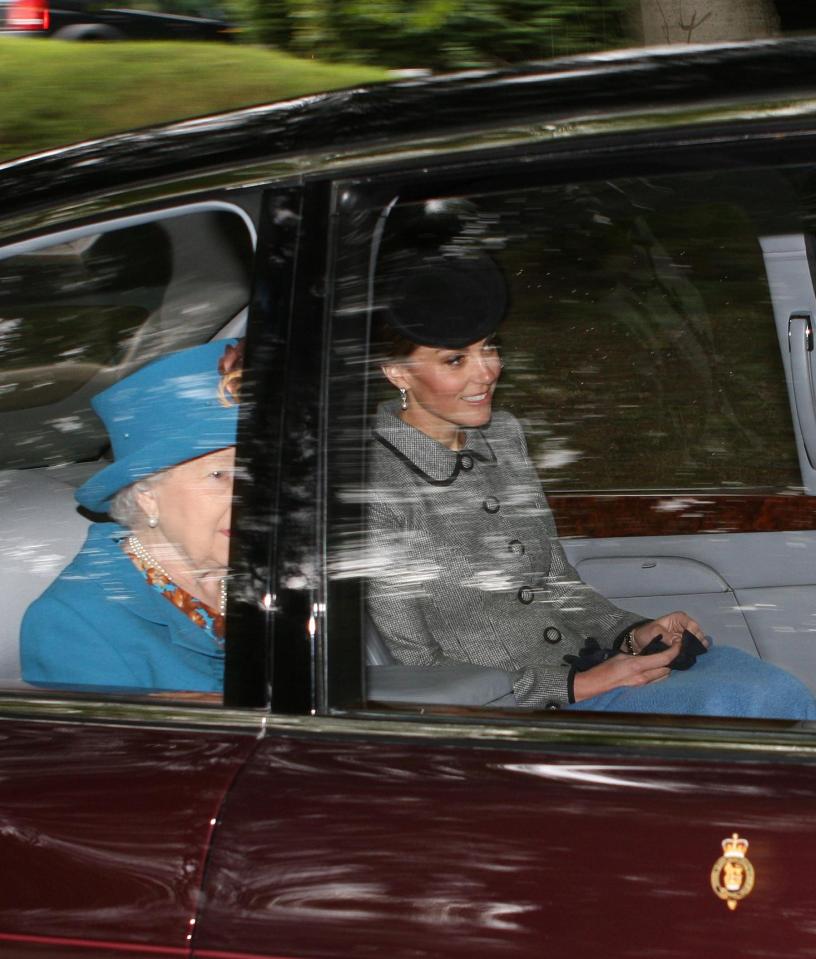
(732, 875)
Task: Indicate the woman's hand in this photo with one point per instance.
(622, 670)
(670, 629)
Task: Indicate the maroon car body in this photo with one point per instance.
(420, 849)
(336, 804)
(312, 842)
(105, 835)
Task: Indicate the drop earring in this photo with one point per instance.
(403, 398)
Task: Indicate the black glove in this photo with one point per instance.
(690, 649)
(593, 654)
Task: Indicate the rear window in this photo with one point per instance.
(80, 311)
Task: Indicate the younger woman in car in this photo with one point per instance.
(472, 569)
(142, 605)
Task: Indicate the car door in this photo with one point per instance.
(642, 355)
(108, 811)
(385, 836)
(109, 799)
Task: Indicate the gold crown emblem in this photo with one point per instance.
(735, 845)
(732, 875)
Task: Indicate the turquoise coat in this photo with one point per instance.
(100, 624)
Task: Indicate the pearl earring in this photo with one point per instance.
(403, 398)
(152, 521)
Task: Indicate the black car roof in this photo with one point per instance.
(589, 86)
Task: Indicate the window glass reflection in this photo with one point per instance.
(82, 320)
(641, 357)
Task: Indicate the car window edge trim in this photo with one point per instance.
(34, 707)
(70, 234)
(704, 736)
(705, 124)
(152, 195)
(278, 170)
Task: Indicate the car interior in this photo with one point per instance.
(658, 350)
(112, 298)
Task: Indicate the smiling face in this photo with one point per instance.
(192, 503)
(448, 389)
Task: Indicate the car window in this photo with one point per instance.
(77, 311)
(647, 375)
(80, 311)
(640, 345)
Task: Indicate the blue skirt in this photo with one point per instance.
(723, 682)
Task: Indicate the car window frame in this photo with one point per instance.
(69, 234)
(268, 664)
(681, 149)
(244, 706)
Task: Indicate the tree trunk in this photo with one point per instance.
(707, 21)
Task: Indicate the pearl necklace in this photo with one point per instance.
(138, 549)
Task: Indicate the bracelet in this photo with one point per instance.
(629, 642)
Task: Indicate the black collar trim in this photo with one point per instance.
(456, 470)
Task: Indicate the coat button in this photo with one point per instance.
(466, 461)
(552, 635)
(491, 505)
(526, 595)
(516, 546)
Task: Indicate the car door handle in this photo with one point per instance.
(800, 344)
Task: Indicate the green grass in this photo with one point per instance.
(53, 93)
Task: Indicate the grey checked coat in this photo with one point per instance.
(467, 562)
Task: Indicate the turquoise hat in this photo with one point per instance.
(166, 413)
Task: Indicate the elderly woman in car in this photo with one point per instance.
(142, 605)
(469, 564)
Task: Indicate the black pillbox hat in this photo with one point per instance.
(446, 301)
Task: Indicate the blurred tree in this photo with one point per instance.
(240, 12)
(440, 34)
(271, 21)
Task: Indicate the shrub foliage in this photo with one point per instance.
(439, 34)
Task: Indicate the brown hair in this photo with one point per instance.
(387, 344)
(231, 368)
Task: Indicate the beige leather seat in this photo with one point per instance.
(41, 533)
